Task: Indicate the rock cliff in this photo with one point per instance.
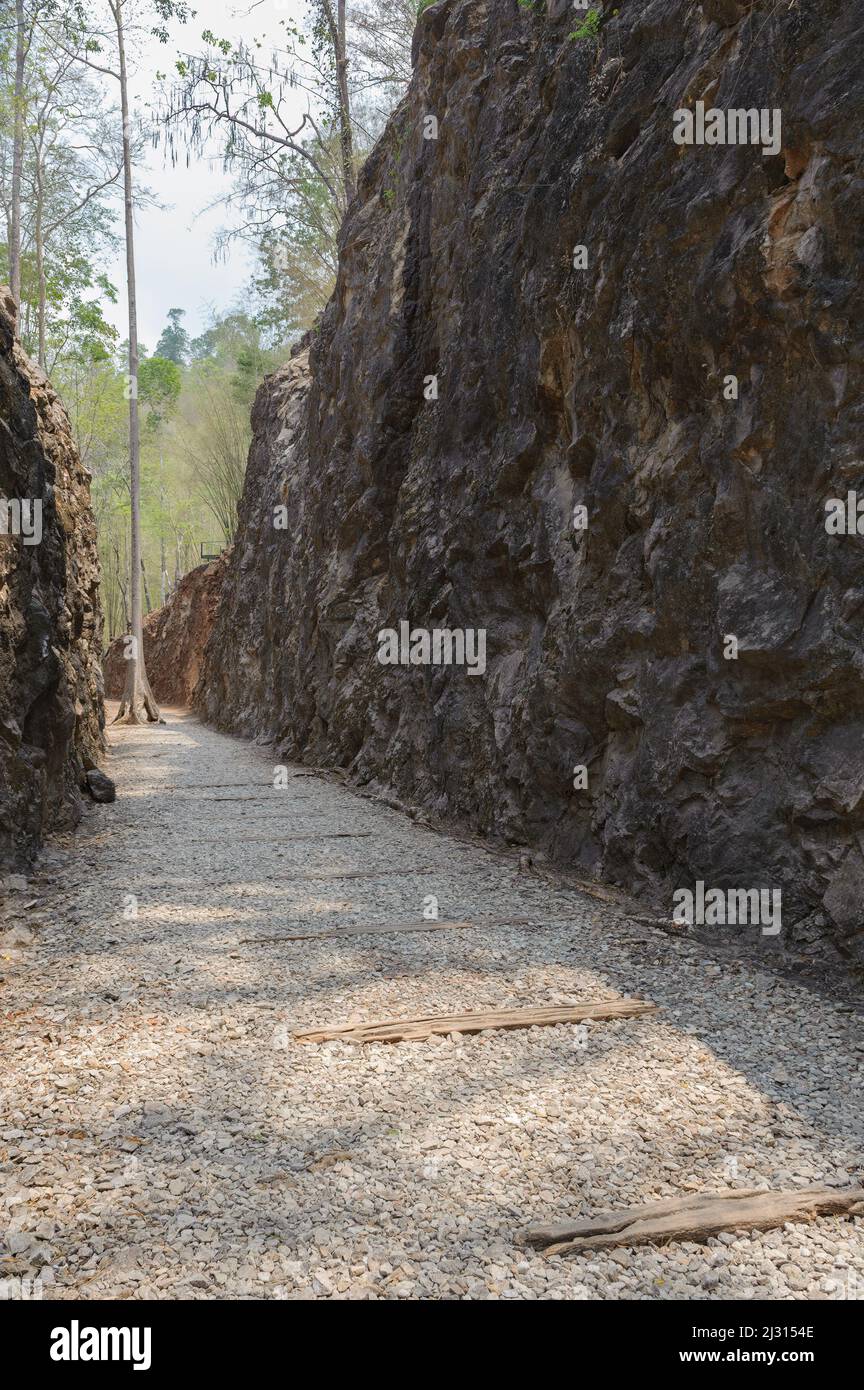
(587, 389)
(175, 636)
(51, 715)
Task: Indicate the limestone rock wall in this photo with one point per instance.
(51, 714)
(604, 388)
(175, 636)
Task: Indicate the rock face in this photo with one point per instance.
(175, 636)
(51, 716)
(597, 379)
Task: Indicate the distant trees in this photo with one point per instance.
(23, 39)
(159, 383)
(195, 435)
(166, 436)
(174, 342)
(136, 701)
(295, 171)
(380, 35)
(59, 167)
(214, 430)
(214, 444)
(84, 35)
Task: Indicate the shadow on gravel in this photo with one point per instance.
(632, 1123)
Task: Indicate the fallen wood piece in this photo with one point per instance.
(294, 874)
(415, 1029)
(367, 929)
(282, 839)
(362, 930)
(693, 1218)
(355, 873)
(651, 921)
(321, 772)
(264, 840)
(630, 908)
(271, 879)
(598, 890)
(212, 786)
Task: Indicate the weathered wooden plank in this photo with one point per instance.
(238, 837)
(693, 1218)
(415, 1029)
(415, 924)
(598, 890)
(211, 786)
(357, 873)
(272, 878)
(362, 929)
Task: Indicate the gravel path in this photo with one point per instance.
(162, 1136)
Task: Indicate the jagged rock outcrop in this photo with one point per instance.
(605, 387)
(51, 715)
(175, 636)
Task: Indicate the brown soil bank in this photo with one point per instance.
(51, 714)
(605, 388)
(175, 636)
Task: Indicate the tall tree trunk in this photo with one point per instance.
(163, 572)
(120, 569)
(146, 586)
(40, 261)
(344, 105)
(137, 699)
(17, 159)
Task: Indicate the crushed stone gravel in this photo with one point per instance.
(163, 1136)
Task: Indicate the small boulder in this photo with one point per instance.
(100, 787)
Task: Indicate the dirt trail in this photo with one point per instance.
(162, 1135)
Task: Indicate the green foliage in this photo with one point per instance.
(194, 444)
(89, 332)
(159, 383)
(70, 165)
(228, 336)
(174, 342)
(590, 27)
(290, 193)
(297, 248)
(224, 45)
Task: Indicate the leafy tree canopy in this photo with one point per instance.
(174, 342)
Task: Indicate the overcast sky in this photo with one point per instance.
(174, 244)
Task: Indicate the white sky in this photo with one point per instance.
(174, 244)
